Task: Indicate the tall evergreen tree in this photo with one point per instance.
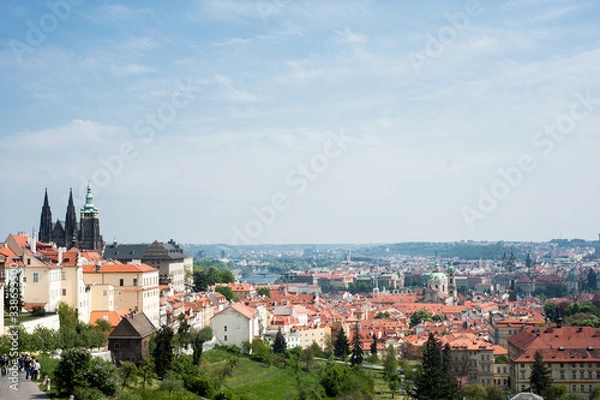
(341, 346)
(374, 345)
(539, 379)
(357, 356)
(163, 350)
(279, 345)
(433, 383)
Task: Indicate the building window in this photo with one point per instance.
(573, 388)
(134, 281)
(64, 292)
(225, 338)
(562, 374)
(63, 276)
(582, 387)
(104, 293)
(120, 282)
(29, 261)
(36, 277)
(117, 346)
(589, 374)
(573, 375)
(581, 374)
(225, 328)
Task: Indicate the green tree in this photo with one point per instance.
(77, 370)
(198, 338)
(432, 382)
(357, 356)
(494, 393)
(261, 351)
(279, 344)
(539, 379)
(308, 357)
(551, 311)
(127, 374)
(420, 315)
(200, 280)
(474, 391)
(225, 291)
(556, 392)
(146, 370)
(200, 385)
(72, 370)
(374, 345)
(341, 346)
(390, 363)
(333, 380)
(183, 332)
(163, 350)
(263, 291)
(171, 384)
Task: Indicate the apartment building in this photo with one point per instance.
(571, 353)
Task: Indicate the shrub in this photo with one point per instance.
(38, 311)
(200, 385)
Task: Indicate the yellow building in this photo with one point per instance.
(135, 286)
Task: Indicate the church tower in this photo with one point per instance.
(71, 223)
(452, 290)
(45, 221)
(89, 228)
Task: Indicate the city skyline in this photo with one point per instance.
(274, 121)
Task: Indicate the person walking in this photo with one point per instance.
(27, 365)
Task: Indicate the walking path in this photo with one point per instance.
(17, 388)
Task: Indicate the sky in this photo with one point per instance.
(279, 121)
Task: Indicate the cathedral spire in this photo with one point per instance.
(45, 220)
(70, 222)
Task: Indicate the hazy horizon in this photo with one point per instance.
(290, 122)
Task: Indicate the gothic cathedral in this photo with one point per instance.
(66, 233)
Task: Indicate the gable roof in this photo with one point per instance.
(133, 326)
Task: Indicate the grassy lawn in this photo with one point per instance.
(262, 381)
(23, 317)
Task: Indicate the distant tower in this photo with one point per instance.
(89, 225)
(70, 223)
(376, 288)
(452, 291)
(45, 221)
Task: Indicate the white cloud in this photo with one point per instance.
(130, 69)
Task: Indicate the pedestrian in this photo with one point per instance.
(27, 364)
(34, 369)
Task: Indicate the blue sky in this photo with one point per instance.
(435, 99)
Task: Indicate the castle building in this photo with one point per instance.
(67, 233)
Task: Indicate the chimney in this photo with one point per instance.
(32, 245)
(98, 265)
(115, 243)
